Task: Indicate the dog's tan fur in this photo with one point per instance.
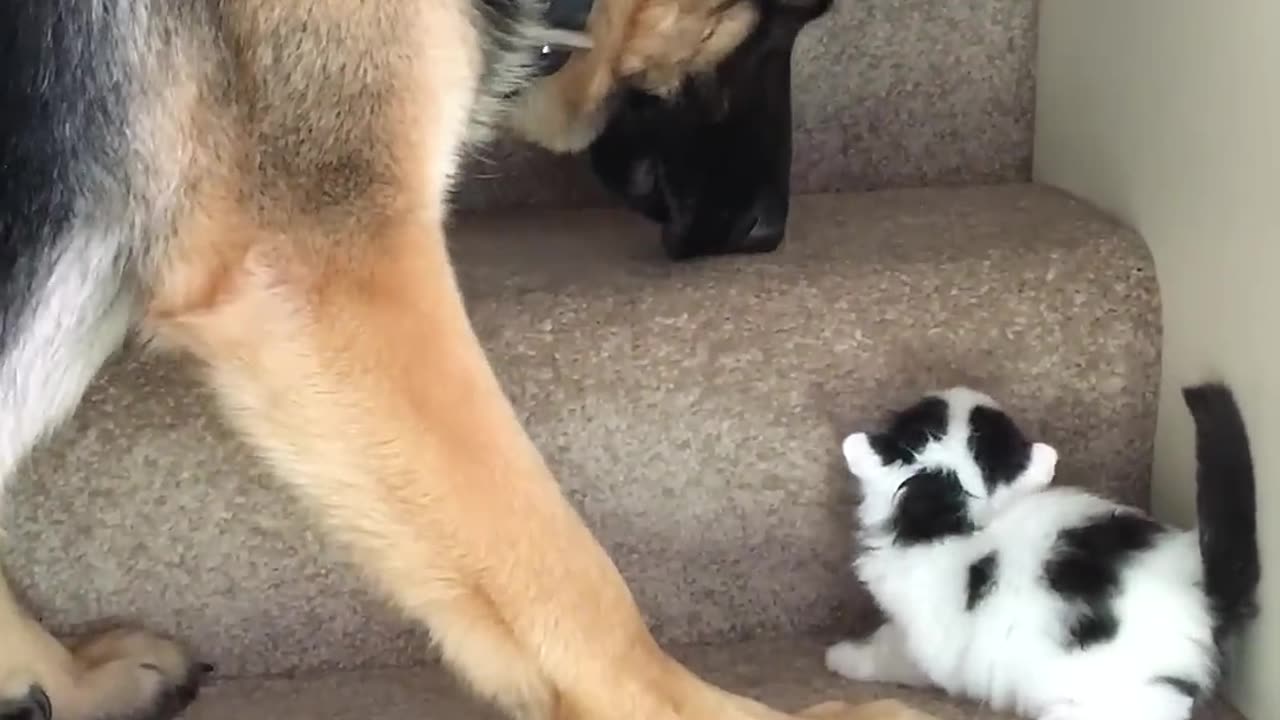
(115, 674)
(651, 44)
(307, 272)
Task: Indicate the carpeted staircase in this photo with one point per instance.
(692, 411)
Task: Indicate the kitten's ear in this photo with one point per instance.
(1041, 468)
(861, 458)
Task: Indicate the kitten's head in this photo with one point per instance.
(944, 465)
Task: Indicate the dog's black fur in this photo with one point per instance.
(713, 164)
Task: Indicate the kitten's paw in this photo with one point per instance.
(1148, 702)
(852, 659)
(1064, 711)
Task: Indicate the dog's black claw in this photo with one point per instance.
(35, 706)
(171, 704)
(189, 690)
(43, 704)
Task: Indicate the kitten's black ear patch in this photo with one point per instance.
(931, 506)
(1084, 569)
(1000, 449)
(910, 430)
(887, 448)
(982, 578)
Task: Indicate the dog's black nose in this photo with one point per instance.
(759, 229)
(768, 227)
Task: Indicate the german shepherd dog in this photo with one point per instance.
(262, 185)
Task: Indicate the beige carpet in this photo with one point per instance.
(786, 674)
(693, 413)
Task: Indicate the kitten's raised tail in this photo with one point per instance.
(1226, 505)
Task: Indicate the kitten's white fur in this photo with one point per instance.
(1010, 650)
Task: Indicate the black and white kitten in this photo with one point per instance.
(1050, 602)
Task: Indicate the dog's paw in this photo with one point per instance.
(33, 704)
(852, 659)
(170, 694)
(136, 675)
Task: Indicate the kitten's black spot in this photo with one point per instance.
(1182, 686)
(982, 578)
(999, 448)
(910, 430)
(1092, 625)
(931, 505)
(1084, 569)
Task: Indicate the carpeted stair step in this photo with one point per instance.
(787, 674)
(692, 411)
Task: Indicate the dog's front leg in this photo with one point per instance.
(354, 369)
(360, 379)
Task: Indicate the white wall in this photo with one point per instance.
(1167, 114)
